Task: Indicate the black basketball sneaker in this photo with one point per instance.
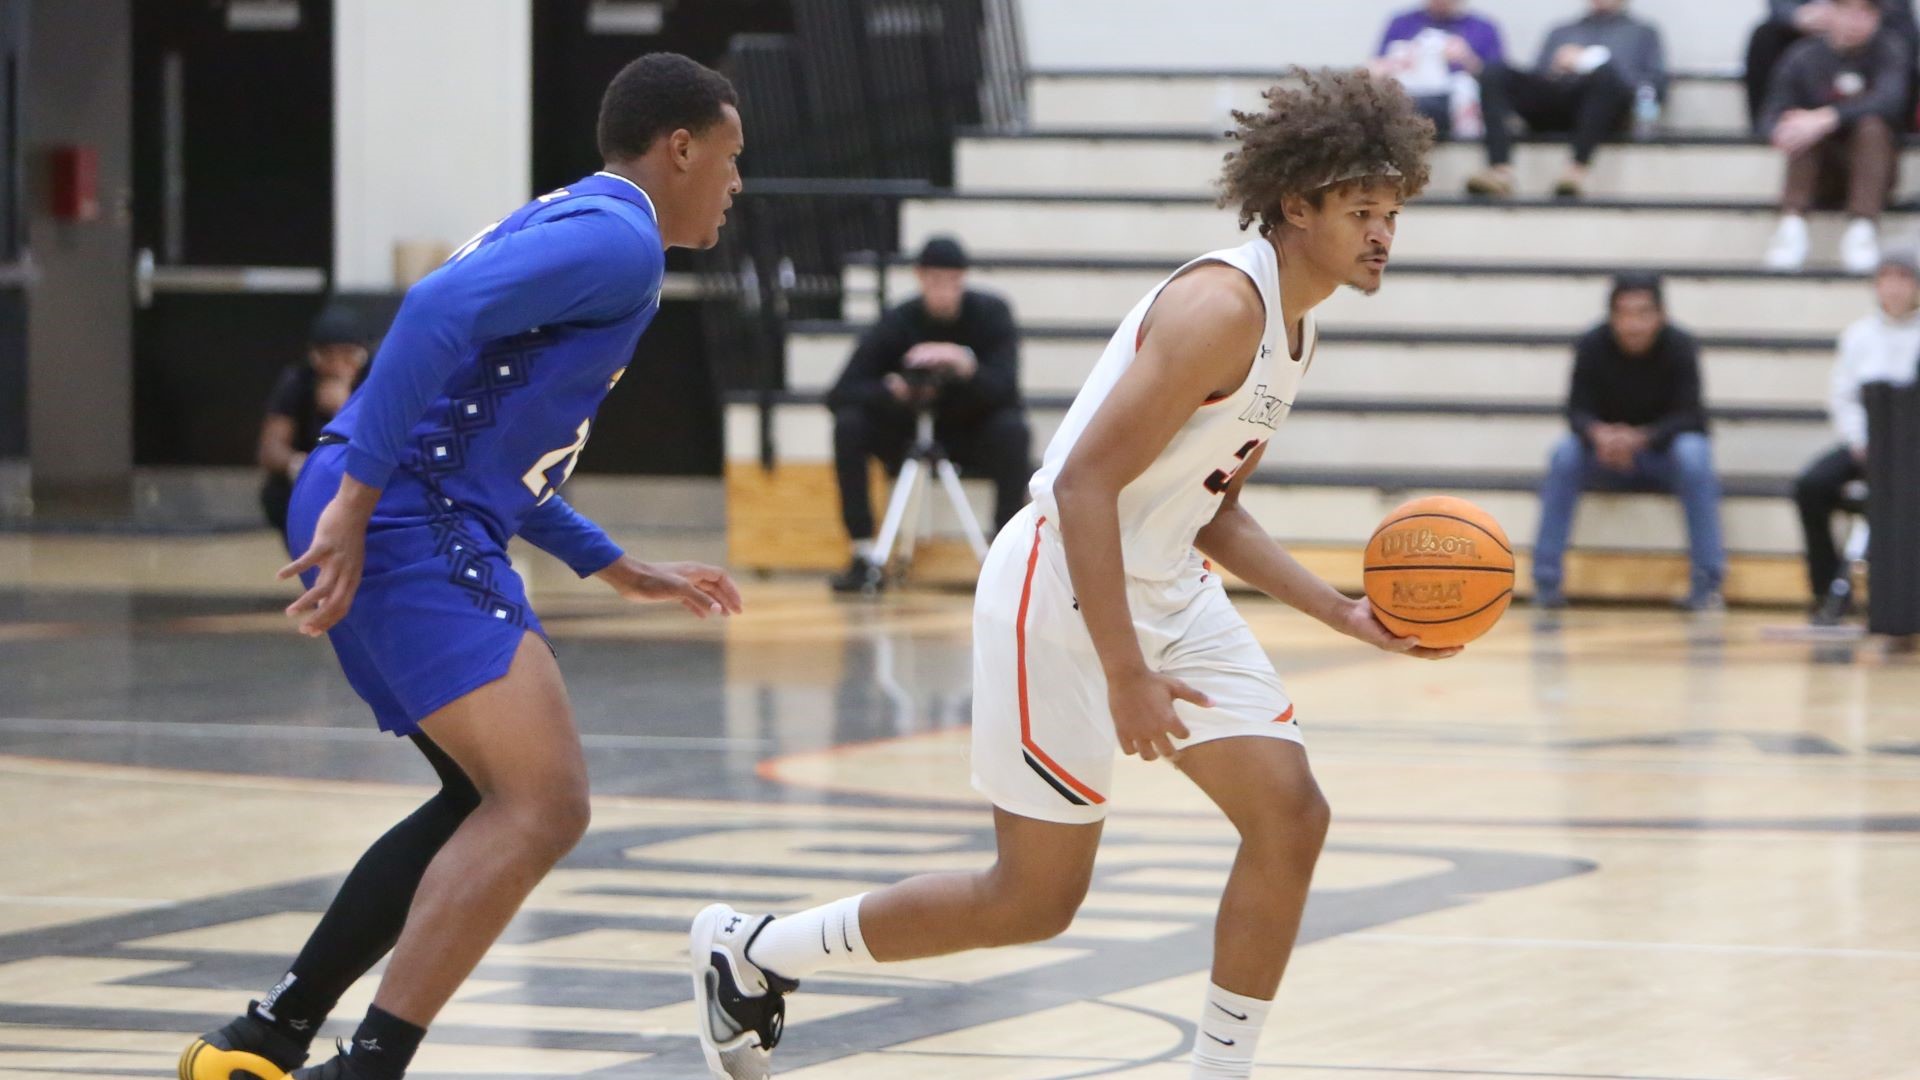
(246, 1049)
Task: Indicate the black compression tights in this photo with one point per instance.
(367, 914)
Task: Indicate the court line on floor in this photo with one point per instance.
(26, 725)
(1587, 945)
(117, 903)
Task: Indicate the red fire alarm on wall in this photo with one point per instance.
(76, 183)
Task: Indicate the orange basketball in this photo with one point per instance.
(1439, 568)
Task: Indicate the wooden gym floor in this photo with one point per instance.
(1624, 844)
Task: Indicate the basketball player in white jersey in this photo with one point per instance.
(1099, 622)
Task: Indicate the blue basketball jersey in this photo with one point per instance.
(484, 392)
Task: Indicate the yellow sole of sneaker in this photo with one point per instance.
(204, 1061)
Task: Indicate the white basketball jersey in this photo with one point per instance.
(1165, 506)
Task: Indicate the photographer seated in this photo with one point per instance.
(306, 396)
(952, 351)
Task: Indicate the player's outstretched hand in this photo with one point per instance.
(1357, 620)
(1143, 716)
(339, 553)
(701, 589)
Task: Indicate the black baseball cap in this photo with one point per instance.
(942, 253)
(337, 325)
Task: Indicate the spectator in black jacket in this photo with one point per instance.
(953, 351)
(1836, 107)
(1788, 21)
(306, 396)
(1638, 425)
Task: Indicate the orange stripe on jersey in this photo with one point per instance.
(1285, 717)
(1020, 640)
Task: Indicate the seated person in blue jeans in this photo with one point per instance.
(1638, 425)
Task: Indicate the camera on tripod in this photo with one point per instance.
(926, 382)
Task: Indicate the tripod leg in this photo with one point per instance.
(897, 507)
(916, 517)
(962, 509)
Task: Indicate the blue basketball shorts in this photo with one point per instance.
(440, 611)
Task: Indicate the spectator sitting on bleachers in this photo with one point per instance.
(1590, 73)
(1882, 347)
(1836, 108)
(306, 396)
(1438, 51)
(1787, 22)
(953, 350)
(1638, 425)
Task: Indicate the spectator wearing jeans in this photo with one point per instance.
(1437, 52)
(1585, 82)
(1882, 347)
(1789, 21)
(1638, 425)
(953, 351)
(1836, 107)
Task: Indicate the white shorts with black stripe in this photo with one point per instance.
(1043, 740)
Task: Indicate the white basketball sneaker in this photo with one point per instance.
(1787, 253)
(742, 1008)
(1860, 247)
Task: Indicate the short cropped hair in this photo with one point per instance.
(657, 95)
(1320, 130)
(1638, 281)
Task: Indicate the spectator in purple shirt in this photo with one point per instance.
(1438, 51)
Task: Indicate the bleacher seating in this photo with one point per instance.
(1452, 379)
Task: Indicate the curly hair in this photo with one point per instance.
(1322, 129)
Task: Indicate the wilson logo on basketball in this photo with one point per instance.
(1413, 542)
(1427, 593)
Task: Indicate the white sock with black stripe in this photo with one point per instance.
(1228, 1035)
(799, 945)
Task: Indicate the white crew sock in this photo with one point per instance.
(1229, 1033)
(798, 945)
(863, 549)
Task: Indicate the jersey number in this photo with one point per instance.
(536, 477)
(1217, 483)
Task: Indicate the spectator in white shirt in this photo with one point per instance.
(1883, 347)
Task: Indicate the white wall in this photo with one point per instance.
(1266, 35)
(432, 125)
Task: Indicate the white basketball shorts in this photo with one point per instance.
(1043, 740)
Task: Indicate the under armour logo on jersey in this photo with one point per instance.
(1265, 410)
(733, 924)
(1265, 351)
(371, 1046)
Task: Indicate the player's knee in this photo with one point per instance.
(1026, 910)
(1289, 832)
(549, 823)
(1041, 916)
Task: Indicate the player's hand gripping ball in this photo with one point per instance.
(1439, 569)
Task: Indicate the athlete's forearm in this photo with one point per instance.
(1091, 519)
(570, 536)
(1238, 543)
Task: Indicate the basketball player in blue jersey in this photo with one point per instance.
(1099, 626)
(478, 407)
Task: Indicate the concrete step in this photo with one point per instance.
(1764, 447)
(1092, 161)
(1055, 361)
(1428, 297)
(1109, 100)
(1731, 235)
(1319, 503)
